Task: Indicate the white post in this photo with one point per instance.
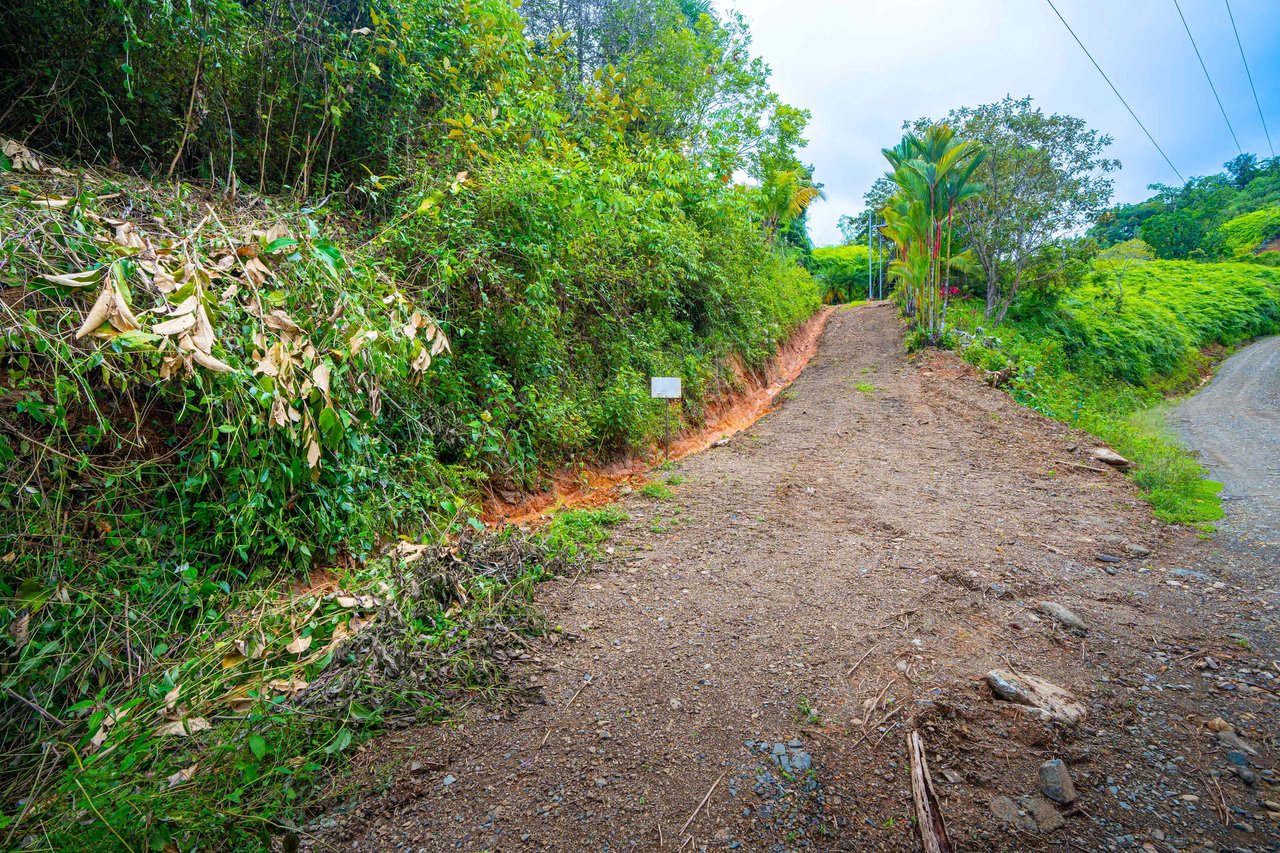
(869, 251)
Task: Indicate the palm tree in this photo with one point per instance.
(934, 174)
(785, 196)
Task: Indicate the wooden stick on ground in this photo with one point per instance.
(861, 659)
(703, 803)
(933, 830)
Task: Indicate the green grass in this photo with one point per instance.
(1107, 355)
(574, 533)
(657, 491)
(866, 387)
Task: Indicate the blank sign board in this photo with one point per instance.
(664, 387)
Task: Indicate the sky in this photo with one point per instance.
(864, 66)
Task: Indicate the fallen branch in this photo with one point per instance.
(933, 829)
(33, 706)
(586, 683)
(863, 658)
(706, 797)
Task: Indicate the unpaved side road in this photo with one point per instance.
(1234, 423)
(739, 671)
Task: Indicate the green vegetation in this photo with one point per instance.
(866, 387)
(285, 285)
(933, 172)
(573, 533)
(1249, 232)
(1230, 215)
(657, 491)
(841, 271)
(1101, 358)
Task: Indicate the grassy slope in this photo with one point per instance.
(1109, 352)
(210, 634)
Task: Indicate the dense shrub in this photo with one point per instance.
(842, 271)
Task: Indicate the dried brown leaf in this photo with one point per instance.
(210, 362)
(281, 322)
(184, 727)
(175, 326)
(299, 645)
(182, 776)
(99, 313)
(320, 375)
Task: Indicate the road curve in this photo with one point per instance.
(1234, 423)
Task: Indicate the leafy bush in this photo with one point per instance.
(842, 271)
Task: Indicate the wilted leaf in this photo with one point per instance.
(278, 231)
(127, 235)
(22, 159)
(99, 313)
(182, 776)
(231, 659)
(299, 645)
(163, 281)
(313, 453)
(422, 360)
(176, 325)
(171, 698)
(183, 728)
(281, 322)
(210, 362)
(51, 202)
(256, 271)
(357, 341)
(77, 279)
(320, 376)
(19, 628)
(409, 551)
(202, 335)
(287, 686)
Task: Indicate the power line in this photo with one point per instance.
(1250, 76)
(1205, 69)
(1117, 91)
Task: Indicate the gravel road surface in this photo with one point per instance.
(1235, 425)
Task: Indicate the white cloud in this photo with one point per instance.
(865, 66)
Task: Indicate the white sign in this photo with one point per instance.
(664, 387)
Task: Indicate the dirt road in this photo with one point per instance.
(740, 672)
(1235, 425)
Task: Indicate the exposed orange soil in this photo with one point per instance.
(588, 485)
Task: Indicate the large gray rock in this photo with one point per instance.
(1008, 812)
(1110, 457)
(1047, 817)
(1035, 696)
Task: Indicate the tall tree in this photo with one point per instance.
(1045, 177)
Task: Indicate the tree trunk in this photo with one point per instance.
(993, 292)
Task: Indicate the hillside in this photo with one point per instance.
(347, 272)
(1102, 354)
